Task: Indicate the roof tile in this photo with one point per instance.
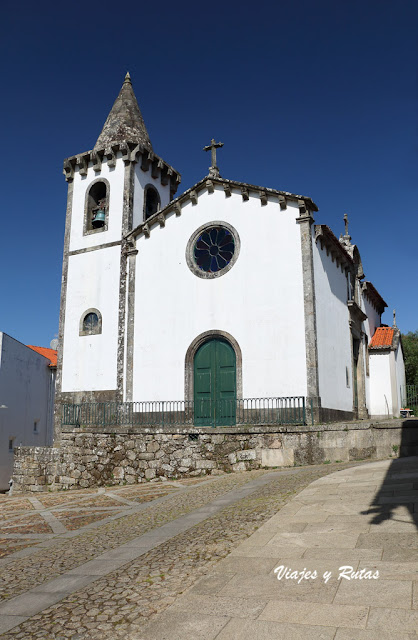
(383, 338)
(51, 354)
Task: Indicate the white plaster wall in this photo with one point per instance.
(89, 362)
(333, 331)
(380, 384)
(115, 176)
(259, 301)
(400, 375)
(369, 326)
(373, 317)
(25, 389)
(142, 178)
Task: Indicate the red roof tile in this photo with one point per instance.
(51, 354)
(383, 337)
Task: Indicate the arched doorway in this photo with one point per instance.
(215, 384)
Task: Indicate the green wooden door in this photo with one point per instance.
(215, 384)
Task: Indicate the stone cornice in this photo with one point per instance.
(374, 297)
(333, 246)
(356, 314)
(129, 152)
(242, 188)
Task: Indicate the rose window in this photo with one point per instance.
(214, 249)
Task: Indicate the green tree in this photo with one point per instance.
(410, 350)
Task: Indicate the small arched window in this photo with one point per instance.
(97, 207)
(91, 323)
(152, 201)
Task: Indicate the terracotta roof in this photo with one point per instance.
(382, 339)
(51, 354)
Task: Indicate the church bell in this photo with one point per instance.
(99, 219)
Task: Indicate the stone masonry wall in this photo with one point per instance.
(35, 468)
(92, 457)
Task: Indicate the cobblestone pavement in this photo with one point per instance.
(117, 605)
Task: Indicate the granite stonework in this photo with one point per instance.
(91, 457)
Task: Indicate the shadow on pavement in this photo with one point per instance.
(400, 485)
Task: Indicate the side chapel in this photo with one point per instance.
(228, 290)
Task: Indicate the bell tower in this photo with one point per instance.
(112, 189)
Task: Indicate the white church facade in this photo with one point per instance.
(224, 294)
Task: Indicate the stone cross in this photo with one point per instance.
(346, 238)
(213, 170)
(346, 224)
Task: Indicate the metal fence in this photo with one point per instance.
(409, 394)
(222, 413)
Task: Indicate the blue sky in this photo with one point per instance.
(317, 98)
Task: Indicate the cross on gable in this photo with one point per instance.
(214, 169)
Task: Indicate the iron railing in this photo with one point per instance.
(204, 412)
(409, 395)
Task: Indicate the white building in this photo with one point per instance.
(387, 372)
(27, 388)
(229, 291)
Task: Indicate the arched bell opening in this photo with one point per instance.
(152, 201)
(97, 206)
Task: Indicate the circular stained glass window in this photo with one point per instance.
(214, 249)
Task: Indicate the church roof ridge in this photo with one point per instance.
(124, 122)
(374, 296)
(325, 235)
(209, 181)
(254, 187)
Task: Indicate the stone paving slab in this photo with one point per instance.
(268, 588)
(215, 606)
(29, 603)
(8, 622)
(357, 634)
(393, 619)
(381, 593)
(267, 630)
(330, 615)
(182, 625)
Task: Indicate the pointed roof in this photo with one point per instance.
(124, 122)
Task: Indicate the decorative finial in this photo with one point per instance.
(127, 78)
(214, 169)
(394, 319)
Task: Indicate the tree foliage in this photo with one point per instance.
(410, 350)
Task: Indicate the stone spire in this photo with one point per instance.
(124, 122)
